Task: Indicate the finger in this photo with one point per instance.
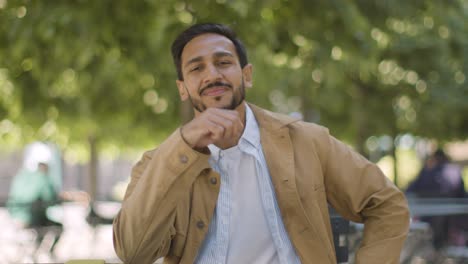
(236, 127)
(232, 116)
(230, 121)
(216, 130)
(227, 124)
(200, 131)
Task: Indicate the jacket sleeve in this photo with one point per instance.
(360, 192)
(144, 227)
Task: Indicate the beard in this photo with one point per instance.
(237, 98)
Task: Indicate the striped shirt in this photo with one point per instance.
(246, 226)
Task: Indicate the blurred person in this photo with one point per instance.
(240, 184)
(33, 191)
(440, 178)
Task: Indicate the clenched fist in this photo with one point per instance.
(220, 127)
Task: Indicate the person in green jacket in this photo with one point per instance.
(30, 195)
(32, 191)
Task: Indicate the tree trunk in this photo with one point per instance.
(92, 169)
(360, 120)
(395, 160)
(309, 114)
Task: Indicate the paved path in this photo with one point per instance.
(78, 241)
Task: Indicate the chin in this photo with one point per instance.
(221, 104)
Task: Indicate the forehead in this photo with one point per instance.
(206, 45)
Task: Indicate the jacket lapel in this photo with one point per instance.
(279, 154)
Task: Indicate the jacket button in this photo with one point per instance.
(213, 180)
(183, 158)
(200, 224)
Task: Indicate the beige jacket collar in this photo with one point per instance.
(270, 120)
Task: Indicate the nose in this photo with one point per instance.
(212, 74)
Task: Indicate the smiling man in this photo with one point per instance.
(213, 79)
(240, 184)
(225, 88)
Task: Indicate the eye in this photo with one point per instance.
(225, 62)
(196, 68)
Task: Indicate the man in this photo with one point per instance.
(239, 184)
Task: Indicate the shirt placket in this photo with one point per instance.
(268, 204)
(224, 206)
(267, 198)
(280, 236)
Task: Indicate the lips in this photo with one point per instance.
(215, 88)
(214, 91)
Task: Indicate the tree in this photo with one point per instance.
(101, 72)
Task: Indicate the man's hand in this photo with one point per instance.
(214, 126)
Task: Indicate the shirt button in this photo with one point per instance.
(213, 180)
(200, 224)
(183, 158)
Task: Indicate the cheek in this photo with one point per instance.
(234, 71)
(233, 75)
(192, 87)
(192, 84)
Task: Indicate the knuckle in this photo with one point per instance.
(220, 128)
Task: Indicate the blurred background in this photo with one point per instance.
(87, 86)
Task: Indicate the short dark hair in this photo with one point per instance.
(199, 29)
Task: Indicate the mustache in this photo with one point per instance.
(214, 84)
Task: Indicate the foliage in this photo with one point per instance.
(70, 70)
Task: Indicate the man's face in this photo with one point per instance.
(212, 73)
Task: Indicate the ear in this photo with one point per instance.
(182, 91)
(247, 74)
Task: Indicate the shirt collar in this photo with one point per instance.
(251, 133)
(250, 137)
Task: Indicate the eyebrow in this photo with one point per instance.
(218, 54)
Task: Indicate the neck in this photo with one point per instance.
(241, 110)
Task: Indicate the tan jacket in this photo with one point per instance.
(173, 192)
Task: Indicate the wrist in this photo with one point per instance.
(204, 150)
(184, 137)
